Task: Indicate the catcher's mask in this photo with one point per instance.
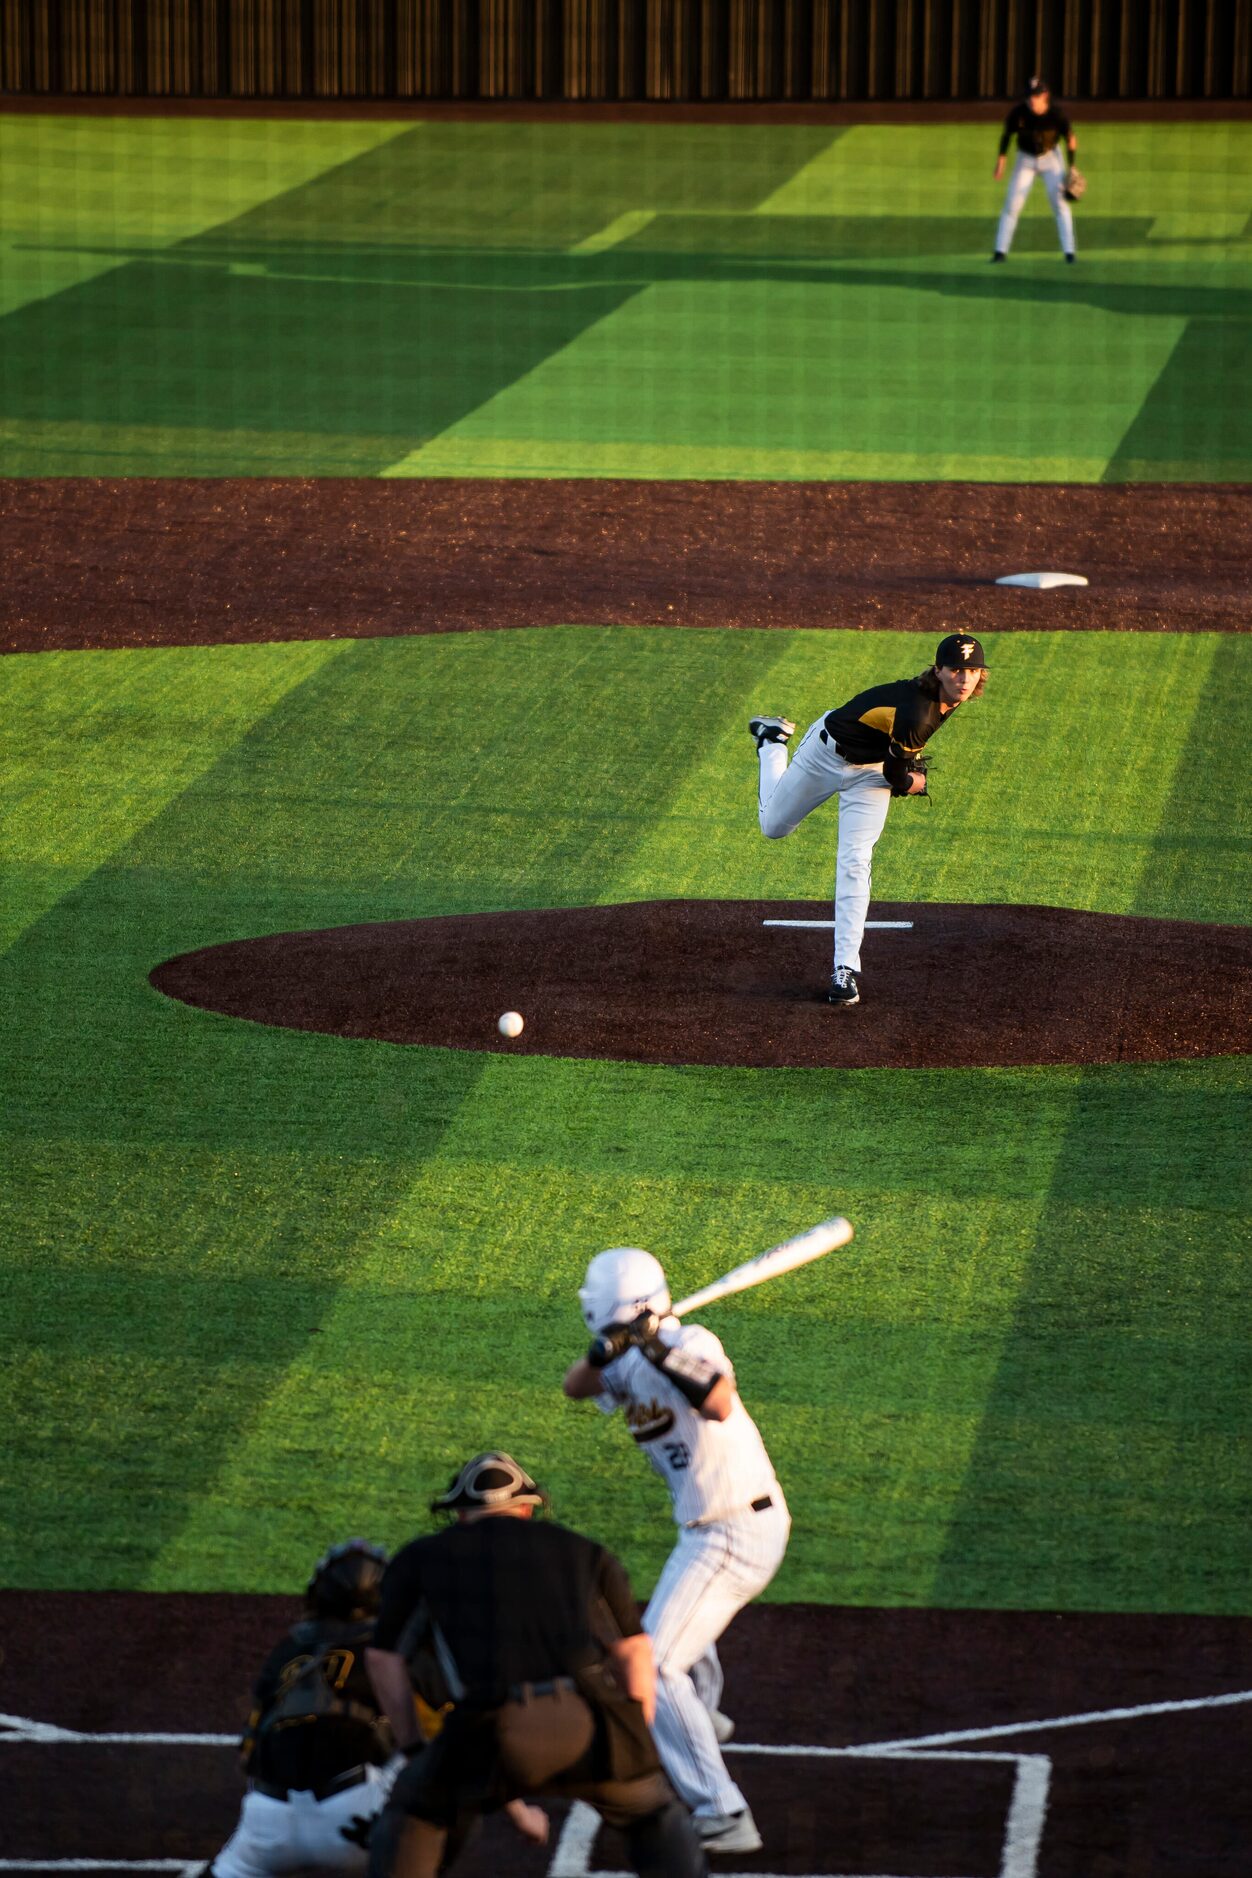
(346, 1580)
(489, 1481)
(619, 1284)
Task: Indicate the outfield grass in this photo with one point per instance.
(209, 297)
(265, 1287)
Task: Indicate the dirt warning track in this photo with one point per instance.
(707, 981)
(188, 561)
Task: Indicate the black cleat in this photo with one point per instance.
(843, 988)
(999, 256)
(1071, 258)
(770, 729)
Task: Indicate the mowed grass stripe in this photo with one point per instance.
(1183, 1424)
(82, 194)
(94, 748)
(356, 804)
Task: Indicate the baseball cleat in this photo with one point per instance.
(723, 1727)
(1071, 257)
(843, 987)
(997, 256)
(770, 729)
(727, 1832)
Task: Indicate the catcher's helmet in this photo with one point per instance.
(490, 1480)
(346, 1580)
(619, 1284)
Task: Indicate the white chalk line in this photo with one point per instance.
(101, 1864)
(23, 1728)
(1024, 1826)
(1019, 1851)
(828, 925)
(1092, 1719)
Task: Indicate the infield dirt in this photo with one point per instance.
(1140, 1796)
(88, 562)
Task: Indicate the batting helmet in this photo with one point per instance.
(490, 1480)
(619, 1284)
(346, 1580)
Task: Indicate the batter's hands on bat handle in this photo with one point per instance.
(642, 1329)
(609, 1345)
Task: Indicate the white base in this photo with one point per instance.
(1041, 580)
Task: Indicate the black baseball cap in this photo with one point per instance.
(1036, 87)
(959, 651)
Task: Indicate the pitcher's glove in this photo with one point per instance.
(1075, 185)
(898, 773)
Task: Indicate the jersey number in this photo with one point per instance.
(677, 1453)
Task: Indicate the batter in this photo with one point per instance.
(865, 752)
(676, 1389)
(1042, 130)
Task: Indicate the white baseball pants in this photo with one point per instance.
(286, 1835)
(1052, 169)
(789, 791)
(713, 1571)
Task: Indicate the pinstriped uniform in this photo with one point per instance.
(726, 1552)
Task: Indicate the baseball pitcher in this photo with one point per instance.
(866, 751)
(676, 1389)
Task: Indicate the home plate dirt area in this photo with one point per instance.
(708, 981)
(920, 1744)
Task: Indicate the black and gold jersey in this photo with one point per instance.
(897, 718)
(1037, 132)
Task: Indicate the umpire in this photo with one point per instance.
(532, 1633)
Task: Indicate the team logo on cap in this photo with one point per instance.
(966, 647)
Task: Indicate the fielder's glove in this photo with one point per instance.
(898, 773)
(1075, 185)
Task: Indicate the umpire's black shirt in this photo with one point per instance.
(515, 1600)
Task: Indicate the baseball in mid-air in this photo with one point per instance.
(511, 1024)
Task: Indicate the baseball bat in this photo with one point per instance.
(802, 1250)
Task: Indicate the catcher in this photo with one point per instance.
(1042, 131)
(316, 1749)
(865, 752)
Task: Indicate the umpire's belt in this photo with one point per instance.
(527, 1691)
(338, 1783)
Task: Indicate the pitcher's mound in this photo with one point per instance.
(704, 981)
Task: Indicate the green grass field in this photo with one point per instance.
(265, 1288)
(263, 1283)
(212, 297)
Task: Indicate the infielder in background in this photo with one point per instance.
(865, 752)
(1042, 130)
(676, 1388)
(316, 1748)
